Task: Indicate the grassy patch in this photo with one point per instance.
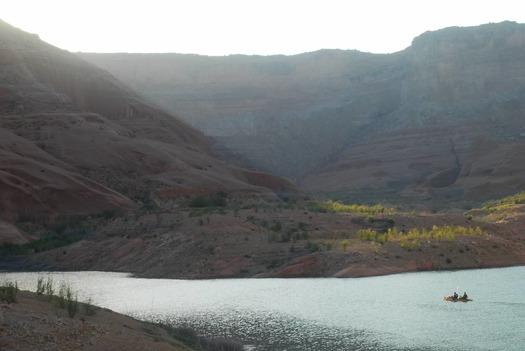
(66, 299)
(57, 236)
(501, 209)
(337, 207)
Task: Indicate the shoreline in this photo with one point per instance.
(34, 322)
(352, 272)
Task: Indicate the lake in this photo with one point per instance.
(396, 312)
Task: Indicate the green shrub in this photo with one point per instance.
(372, 235)
(8, 292)
(277, 226)
(89, 308)
(49, 290)
(61, 298)
(71, 302)
(40, 286)
(66, 299)
(312, 247)
(44, 287)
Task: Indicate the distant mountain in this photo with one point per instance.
(441, 119)
(75, 141)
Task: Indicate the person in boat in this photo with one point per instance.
(455, 296)
(465, 296)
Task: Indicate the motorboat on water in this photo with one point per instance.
(456, 299)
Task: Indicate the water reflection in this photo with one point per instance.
(272, 331)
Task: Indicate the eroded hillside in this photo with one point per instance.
(74, 141)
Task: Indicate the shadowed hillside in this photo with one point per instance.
(442, 119)
(74, 141)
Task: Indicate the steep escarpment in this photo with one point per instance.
(74, 141)
(261, 111)
(458, 128)
(441, 118)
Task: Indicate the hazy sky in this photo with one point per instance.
(222, 27)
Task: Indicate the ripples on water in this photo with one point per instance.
(398, 312)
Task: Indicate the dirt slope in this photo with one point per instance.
(34, 323)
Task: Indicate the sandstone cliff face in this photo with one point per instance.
(75, 141)
(442, 118)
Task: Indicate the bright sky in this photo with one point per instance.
(265, 27)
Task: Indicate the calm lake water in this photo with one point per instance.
(397, 312)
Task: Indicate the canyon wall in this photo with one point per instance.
(443, 117)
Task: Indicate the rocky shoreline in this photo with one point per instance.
(34, 323)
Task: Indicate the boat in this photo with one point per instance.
(459, 299)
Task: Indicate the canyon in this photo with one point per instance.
(184, 166)
(438, 121)
(195, 167)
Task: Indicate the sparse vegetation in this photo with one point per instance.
(71, 302)
(504, 208)
(8, 292)
(201, 201)
(516, 199)
(49, 287)
(312, 247)
(112, 213)
(88, 307)
(335, 206)
(411, 239)
(210, 250)
(66, 298)
(40, 286)
(370, 234)
(61, 298)
(327, 245)
(56, 236)
(189, 336)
